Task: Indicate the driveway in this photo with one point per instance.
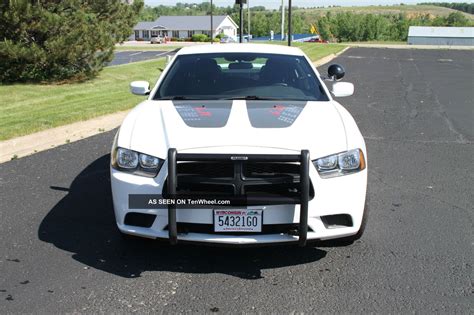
(60, 251)
(124, 57)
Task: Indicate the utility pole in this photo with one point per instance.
(212, 27)
(241, 22)
(248, 19)
(289, 22)
(282, 19)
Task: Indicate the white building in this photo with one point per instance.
(452, 36)
(185, 27)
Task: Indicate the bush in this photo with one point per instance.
(52, 40)
(200, 38)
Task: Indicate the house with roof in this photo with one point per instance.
(185, 27)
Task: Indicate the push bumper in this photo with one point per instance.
(174, 157)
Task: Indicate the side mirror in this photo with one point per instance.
(336, 72)
(140, 87)
(342, 89)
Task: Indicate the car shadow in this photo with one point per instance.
(83, 223)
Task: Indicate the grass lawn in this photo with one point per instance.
(378, 42)
(314, 51)
(317, 51)
(28, 108)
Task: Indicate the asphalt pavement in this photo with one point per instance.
(124, 57)
(60, 251)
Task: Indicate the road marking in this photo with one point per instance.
(355, 57)
(445, 60)
(137, 53)
(161, 54)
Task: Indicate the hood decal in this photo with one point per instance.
(204, 114)
(274, 114)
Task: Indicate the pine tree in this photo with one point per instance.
(50, 40)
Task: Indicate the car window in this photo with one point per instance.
(241, 75)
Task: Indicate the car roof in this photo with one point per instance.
(240, 48)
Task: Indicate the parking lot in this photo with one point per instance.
(123, 57)
(60, 251)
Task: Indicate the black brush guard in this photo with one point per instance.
(174, 157)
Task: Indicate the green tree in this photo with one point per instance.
(48, 40)
(457, 19)
(324, 28)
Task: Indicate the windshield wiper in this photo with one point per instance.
(262, 98)
(238, 97)
(175, 98)
(253, 98)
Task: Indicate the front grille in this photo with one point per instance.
(222, 169)
(257, 180)
(265, 169)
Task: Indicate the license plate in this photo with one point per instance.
(238, 220)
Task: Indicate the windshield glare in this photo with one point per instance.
(241, 76)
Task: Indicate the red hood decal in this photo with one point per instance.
(270, 114)
(262, 114)
(204, 114)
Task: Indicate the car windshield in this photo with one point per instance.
(241, 76)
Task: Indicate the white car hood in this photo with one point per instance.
(272, 127)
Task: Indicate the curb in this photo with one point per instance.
(30, 144)
(329, 58)
(23, 146)
(400, 46)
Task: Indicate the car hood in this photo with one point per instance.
(273, 127)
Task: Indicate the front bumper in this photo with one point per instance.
(343, 195)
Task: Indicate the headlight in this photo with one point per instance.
(148, 161)
(340, 164)
(127, 158)
(134, 162)
(326, 163)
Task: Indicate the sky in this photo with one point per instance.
(272, 4)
